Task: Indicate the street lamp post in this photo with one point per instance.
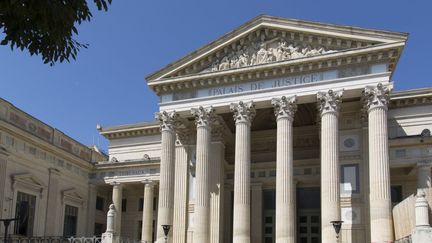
(337, 225)
(6, 223)
(166, 229)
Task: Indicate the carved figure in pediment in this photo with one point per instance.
(261, 55)
(264, 50)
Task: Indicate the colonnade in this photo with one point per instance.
(376, 100)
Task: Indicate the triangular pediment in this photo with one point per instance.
(267, 40)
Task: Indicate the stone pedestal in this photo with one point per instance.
(379, 169)
(147, 217)
(243, 116)
(284, 109)
(203, 120)
(168, 121)
(329, 105)
(110, 236)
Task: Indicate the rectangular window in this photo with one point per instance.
(396, 194)
(25, 212)
(124, 204)
(350, 178)
(100, 201)
(70, 221)
(140, 204)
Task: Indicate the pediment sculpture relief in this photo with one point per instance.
(265, 51)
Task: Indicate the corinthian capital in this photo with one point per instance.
(376, 96)
(243, 112)
(168, 120)
(285, 107)
(329, 101)
(203, 116)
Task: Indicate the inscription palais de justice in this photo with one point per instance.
(266, 84)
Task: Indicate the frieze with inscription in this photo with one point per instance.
(294, 80)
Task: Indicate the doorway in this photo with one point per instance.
(308, 215)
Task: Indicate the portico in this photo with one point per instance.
(270, 133)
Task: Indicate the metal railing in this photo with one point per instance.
(51, 239)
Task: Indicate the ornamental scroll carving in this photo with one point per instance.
(243, 112)
(264, 50)
(376, 96)
(203, 116)
(168, 120)
(329, 101)
(285, 107)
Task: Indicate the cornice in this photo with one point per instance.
(388, 53)
(131, 130)
(411, 98)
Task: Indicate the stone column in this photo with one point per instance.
(166, 185)
(424, 174)
(203, 119)
(147, 217)
(217, 188)
(181, 183)
(117, 196)
(243, 116)
(91, 209)
(257, 213)
(376, 100)
(329, 104)
(284, 109)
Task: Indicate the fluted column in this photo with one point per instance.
(284, 109)
(329, 105)
(203, 119)
(376, 101)
(168, 122)
(243, 116)
(147, 217)
(117, 196)
(181, 183)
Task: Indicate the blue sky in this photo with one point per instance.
(106, 83)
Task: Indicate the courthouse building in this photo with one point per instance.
(264, 135)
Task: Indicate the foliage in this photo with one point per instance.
(45, 27)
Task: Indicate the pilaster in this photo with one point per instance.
(257, 213)
(91, 208)
(51, 224)
(181, 195)
(217, 151)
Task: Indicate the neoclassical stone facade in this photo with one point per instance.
(269, 134)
